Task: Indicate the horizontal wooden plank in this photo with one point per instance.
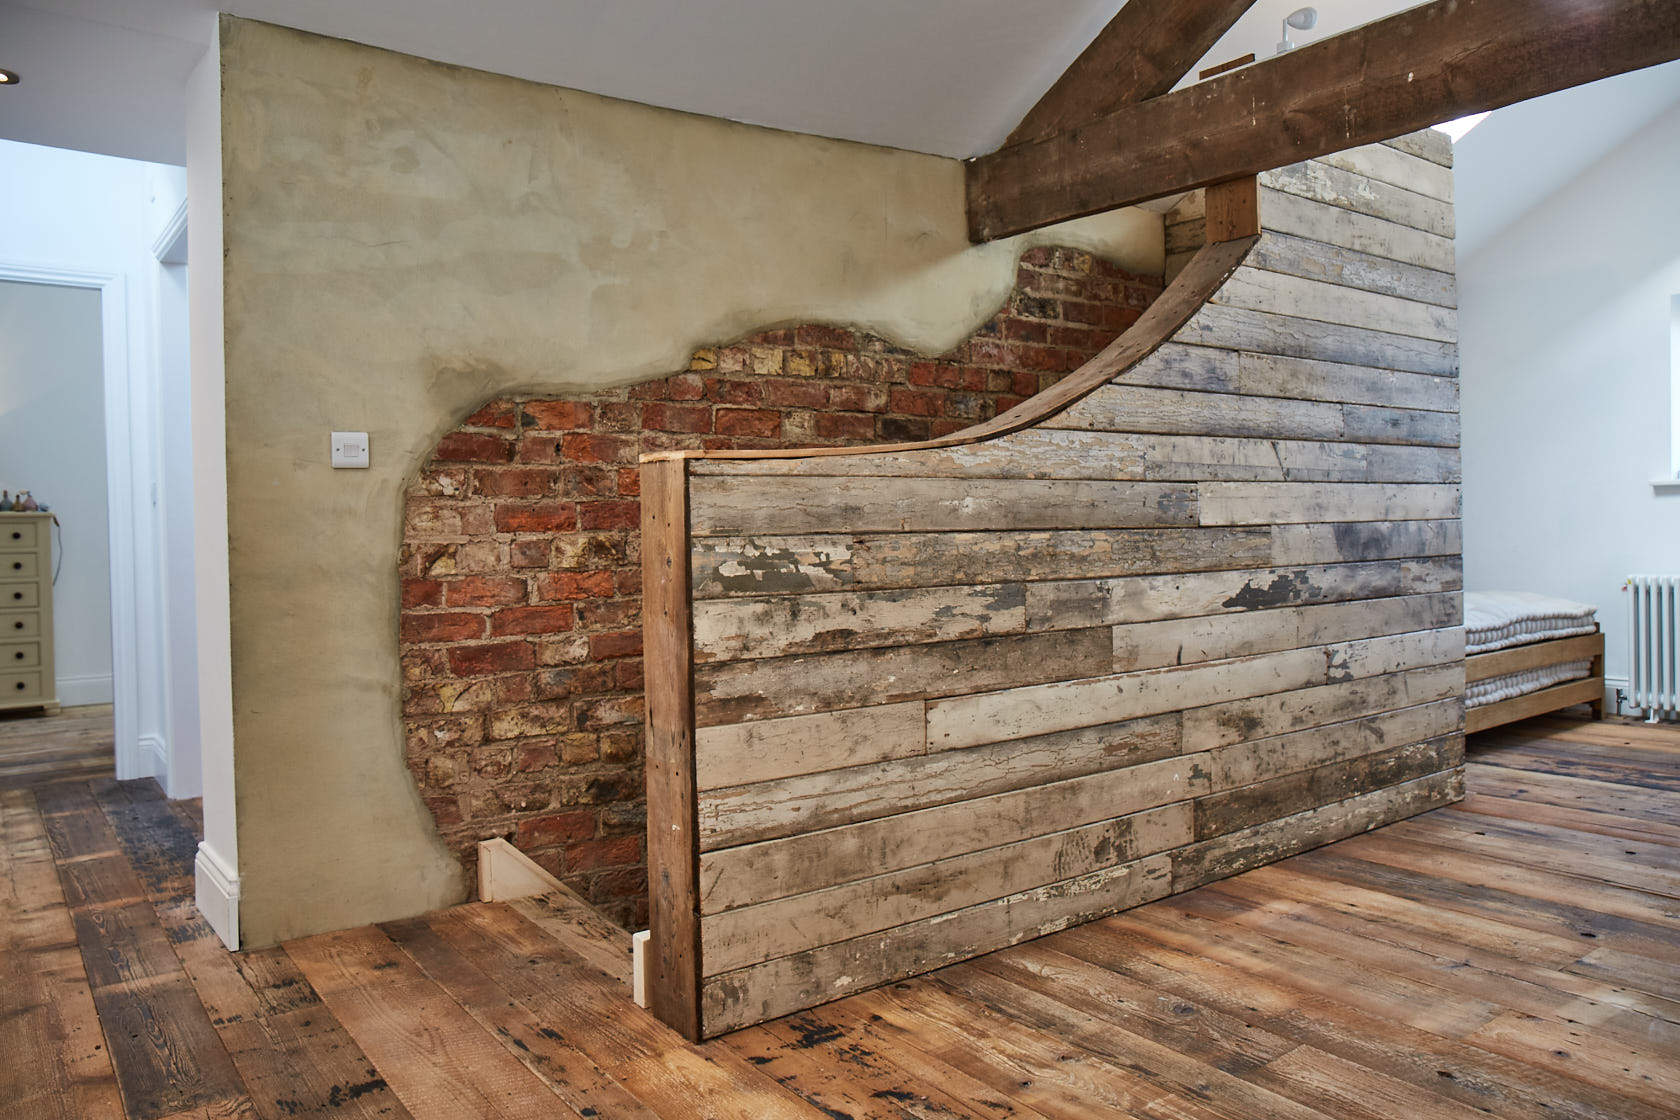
(1227, 855)
(1327, 302)
(777, 987)
(1185, 641)
(736, 691)
(1289, 255)
(776, 626)
(1211, 369)
(1388, 163)
(1138, 408)
(1132, 599)
(1186, 236)
(752, 934)
(797, 565)
(1034, 453)
(738, 876)
(1426, 143)
(780, 807)
(1302, 217)
(1233, 721)
(1271, 503)
(1233, 810)
(721, 505)
(1516, 659)
(738, 753)
(1587, 691)
(1367, 540)
(1265, 332)
(1393, 653)
(1363, 193)
(1039, 709)
(1261, 760)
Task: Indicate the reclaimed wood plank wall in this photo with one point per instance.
(950, 699)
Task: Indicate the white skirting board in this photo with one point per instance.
(216, 894)
(78, 692)
(506, 873)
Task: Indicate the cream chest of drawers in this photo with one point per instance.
(26, 625)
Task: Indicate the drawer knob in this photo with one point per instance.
(17, 565)
(16, 536)
(20, 686)
(17, 594)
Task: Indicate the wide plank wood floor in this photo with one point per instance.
(1515, 956)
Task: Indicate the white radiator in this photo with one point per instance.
(1653, 667)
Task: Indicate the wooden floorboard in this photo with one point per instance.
(1514, 956)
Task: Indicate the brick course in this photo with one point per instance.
(521, 581)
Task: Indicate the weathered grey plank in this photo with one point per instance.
(1309, 298)
(768, 869)
(1186, 641)
(1261, 760)
(1039, 709)
(776, 626)
(1289, 255)
(1232, 721)
(1185, 236)
(751, 934)
(1393, 653)
(1214, 370)
(721, 505)
(1301, 217)
(795, 565)
(737, 691)
(1397, 167)
(1367, 540)
(1264, 332)
(738, 753)
(1429, 143)
(1138, 408)
(760, 811)
(1132, 599)
(1363, 194)
(1034, 453)
(1236, 852)
(1273, 503)
(1236, 809)
(777, 987)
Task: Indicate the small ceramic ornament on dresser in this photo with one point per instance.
(5, 501)
(26, 502)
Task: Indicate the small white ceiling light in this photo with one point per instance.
(8, 78)
(1301, 19)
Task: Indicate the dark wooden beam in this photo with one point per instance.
(1426, 65)
(1142, 53)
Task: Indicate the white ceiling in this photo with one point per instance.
(950, 77)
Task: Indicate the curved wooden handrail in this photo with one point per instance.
(1186, 295)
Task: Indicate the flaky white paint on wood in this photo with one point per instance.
(1279, 503)
(1302, 217)
(1345, 190)
(738, 753)
(1335, 303)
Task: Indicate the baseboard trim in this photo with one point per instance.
(216, 893)
(506, 873)
(77, 692)
(154, 756)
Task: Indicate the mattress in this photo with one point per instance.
(1498, 619)
(1522, 683)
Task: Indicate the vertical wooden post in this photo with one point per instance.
(1233, 209)
(673, 826)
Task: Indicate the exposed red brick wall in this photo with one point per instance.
(521, 621)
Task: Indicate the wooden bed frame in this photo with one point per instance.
(1588, 690)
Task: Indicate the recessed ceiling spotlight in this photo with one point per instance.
(7, 78)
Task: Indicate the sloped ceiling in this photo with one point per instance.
(948, 77)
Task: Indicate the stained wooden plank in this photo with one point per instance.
(781, 807)
(1390, 162)
(167, 1056)
(1256, 503)
(1329, 302)
(794, 565)
(1351, 184)
(1261, 760)
(721, 506)
(1353, 540)
(1387, 77)
(1289, 255)
(430, 1051)
(673, 838)
(1233, 721)
(1215, 370)
(740, 753)
(1377, 237)
(736, 691)
(1136, 408)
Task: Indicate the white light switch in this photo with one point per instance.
(349, 449)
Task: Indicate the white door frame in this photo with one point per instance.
(123, 488)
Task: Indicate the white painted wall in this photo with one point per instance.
(69, 214)
(1565, 349)
(52, 443)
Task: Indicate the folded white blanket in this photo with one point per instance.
(1497, 619)
(1478, 693)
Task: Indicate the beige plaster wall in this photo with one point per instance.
(405, 240)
